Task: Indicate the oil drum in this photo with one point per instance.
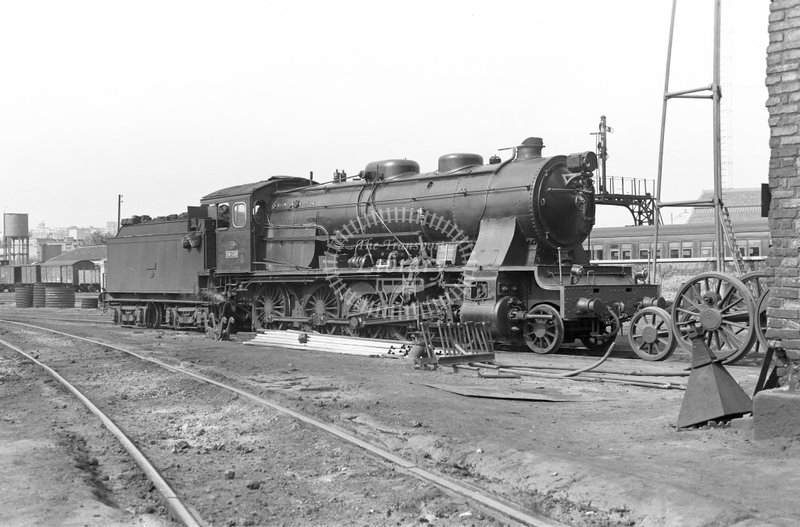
(59, 295)
(39, 299)
(89, 303)
(23, 295)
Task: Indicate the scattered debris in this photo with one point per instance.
(489, 392)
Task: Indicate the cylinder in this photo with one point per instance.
(59, 295)
(23, 295)
(39, 297)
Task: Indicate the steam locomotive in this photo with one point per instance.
(375, 254)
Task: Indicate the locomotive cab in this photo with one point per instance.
(241, 214)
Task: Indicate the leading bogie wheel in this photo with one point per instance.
(651, 335)
(543, 329)
(719, 307)
(604, 332)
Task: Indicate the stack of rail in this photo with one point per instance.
(331, 343)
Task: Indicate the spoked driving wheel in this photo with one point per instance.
(604, 332)
(721, 309)
(271, 301)
(650, 334)
(363, 304)
(543, 329)
(400, 308)
(321, 304)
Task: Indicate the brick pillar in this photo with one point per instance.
(783, 264)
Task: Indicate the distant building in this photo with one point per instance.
(78, 233)
(743, 204)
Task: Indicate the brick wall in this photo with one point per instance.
(783, 264)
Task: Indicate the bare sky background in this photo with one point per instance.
(166, 101)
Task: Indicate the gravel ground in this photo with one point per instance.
(613, 457)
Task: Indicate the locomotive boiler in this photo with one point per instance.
(373, 255)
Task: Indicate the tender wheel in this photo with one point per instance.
(363, 303)
(153, 315)
(320, 303)
(650, 334)
(543, 329)
(720, 308)
(271, 300)
(604, 332)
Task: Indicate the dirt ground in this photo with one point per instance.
(610, 457)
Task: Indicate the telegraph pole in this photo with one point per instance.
(119, 212)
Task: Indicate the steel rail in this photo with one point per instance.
(495, 503)
(173, 502)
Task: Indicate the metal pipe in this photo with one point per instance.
(670, 95)
(717, 95)
(661, 141)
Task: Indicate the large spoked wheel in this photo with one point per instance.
(761, 320)
(543, 329)
(271, 301)
(400, 307)
(721, 309)
(321, 304)
(650, 334)
(364, 303)
(604, 332)
(756, 282)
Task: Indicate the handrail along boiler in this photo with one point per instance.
(372, 255)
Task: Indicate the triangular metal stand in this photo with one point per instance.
(711, 393)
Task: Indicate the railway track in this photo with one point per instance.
(90, 351)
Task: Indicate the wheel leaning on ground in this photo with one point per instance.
(721, 309)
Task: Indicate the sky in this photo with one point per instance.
(166, 101)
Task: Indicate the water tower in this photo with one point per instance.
(16, 239)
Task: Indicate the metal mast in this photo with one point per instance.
(712, 92)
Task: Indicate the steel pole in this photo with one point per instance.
(661, 141)
(716, 96)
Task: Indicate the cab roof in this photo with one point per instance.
(280, 182)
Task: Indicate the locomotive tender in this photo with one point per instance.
(375, 254)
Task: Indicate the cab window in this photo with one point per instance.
(239, 214)
(259, 212)
(223, 216)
